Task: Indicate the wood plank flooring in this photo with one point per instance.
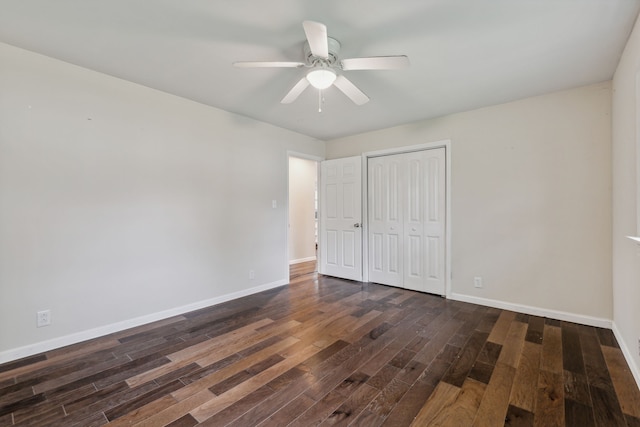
(324, 351)
(302, 269)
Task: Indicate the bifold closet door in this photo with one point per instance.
(407, 220)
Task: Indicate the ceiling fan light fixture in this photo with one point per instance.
(321, 78)
(321, 60)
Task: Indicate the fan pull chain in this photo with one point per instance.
(319, 100)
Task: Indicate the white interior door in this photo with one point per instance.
(424, 222)
(407, 208)
(384, 183)
(341, 218)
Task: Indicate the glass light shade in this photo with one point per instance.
(321, 78)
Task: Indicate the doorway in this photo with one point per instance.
(303, 216)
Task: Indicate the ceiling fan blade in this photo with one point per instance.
(376, 63)
(349, 89)
(317, 37)
(267, 64)
(295, 91)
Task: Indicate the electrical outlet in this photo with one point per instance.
(252, 274)
(43, 318)
(477, 282)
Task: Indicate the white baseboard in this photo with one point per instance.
(298, 261)
(40, 347)
(536, 311)
(635, 369)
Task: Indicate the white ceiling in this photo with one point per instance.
(464, 53)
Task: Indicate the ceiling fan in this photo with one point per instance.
(321, 57)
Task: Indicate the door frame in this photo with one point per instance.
(446, 144)
(316, 159)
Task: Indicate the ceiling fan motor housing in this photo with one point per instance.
(334, 48)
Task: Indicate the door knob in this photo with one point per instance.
(356, 225)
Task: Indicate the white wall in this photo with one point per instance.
(303, 174)
(120, 204)
(626, 254)
(531, 199)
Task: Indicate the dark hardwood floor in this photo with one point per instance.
(324, 351)
(301, 269)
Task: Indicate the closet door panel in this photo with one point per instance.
(414, 218)
(385, 220)
(434, 225)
